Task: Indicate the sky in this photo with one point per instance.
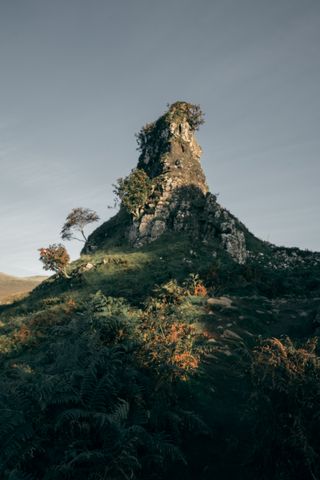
(80, 77)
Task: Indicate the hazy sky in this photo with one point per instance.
(80, 77)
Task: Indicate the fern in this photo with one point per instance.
(88, 385)
(88, 407)
(120, 413)
(16, 475)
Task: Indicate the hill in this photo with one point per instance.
(11, 286)
(179, 346)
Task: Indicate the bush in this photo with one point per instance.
(183, 111)
(55, 258)
(285, 406)
(134, 191)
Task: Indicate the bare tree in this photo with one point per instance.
(76, 221)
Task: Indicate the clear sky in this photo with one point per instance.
(80, 77)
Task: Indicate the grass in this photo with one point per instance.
(172, 353)
(130, 273)
(11, 287)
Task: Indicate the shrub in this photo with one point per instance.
(55, 258)
(285, 405)
(195, 286)
(184, 111)
(134, 191)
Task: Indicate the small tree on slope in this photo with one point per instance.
(55, 258)
(76, 221)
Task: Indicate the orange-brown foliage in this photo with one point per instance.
(23, 334)
(200, 290)
(70, 305)
(186, 361)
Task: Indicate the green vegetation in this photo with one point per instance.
(156, 364)
(137, 192)
(171, 361)
(97, 388)
(286, 379)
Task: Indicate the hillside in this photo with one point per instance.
(11, 286)
(178, 346)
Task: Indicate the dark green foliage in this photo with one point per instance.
(137, 193)
(134, 191)
(87, 404)
(123, 372)
(284, 410)
(168, 361)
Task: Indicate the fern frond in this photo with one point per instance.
(74, 415)
(101, 394)
(18, 475)
(193, 423)
(16, 441)
(88, 385)
(120, 413)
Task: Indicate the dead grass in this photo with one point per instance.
(13, 288)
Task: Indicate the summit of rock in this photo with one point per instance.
(169, 148)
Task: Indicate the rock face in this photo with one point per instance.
(170, 151)
(220, 223)
(170, 156)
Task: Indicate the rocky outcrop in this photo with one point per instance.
(230, 231)
(170, 150)
(170, 155)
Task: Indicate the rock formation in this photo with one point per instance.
(170, 156)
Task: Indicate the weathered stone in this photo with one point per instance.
(221, 301)
(170, 155)
(231, 334)
(185, 204)
(87, 267)
(158, 228)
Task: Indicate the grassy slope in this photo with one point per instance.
(232, 323)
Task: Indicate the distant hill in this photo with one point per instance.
(11, 286)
